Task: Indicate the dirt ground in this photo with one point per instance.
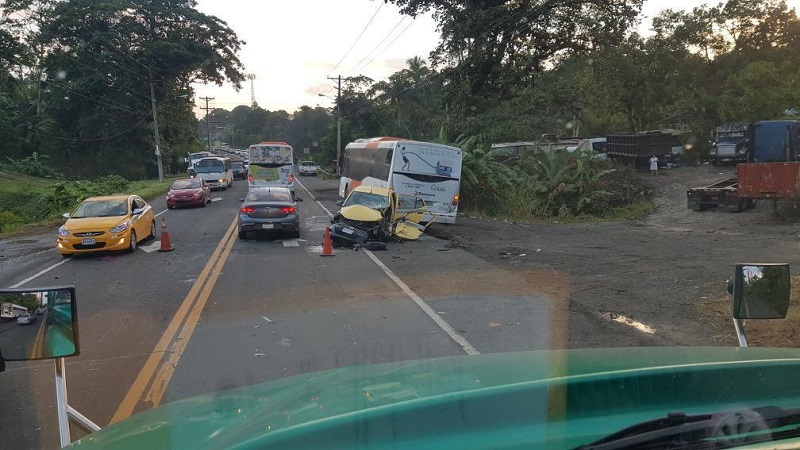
(665, 273)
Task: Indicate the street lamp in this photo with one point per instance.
(338, 131)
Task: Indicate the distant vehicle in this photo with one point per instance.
(308, 168)
(10, 310)
(216, 171)
(729, 144)
(269, 209)
(427, 170)
(188, 192)
(271, 164)
(116, 222)
(239, 170)
(25, 319)
(194, 157)
(638, 148)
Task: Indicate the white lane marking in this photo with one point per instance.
(162, 212)
(151, 247)
(291, 243)
(330, 214)
(38, 274)
(465, 345)
(216, 199)
(646, 329)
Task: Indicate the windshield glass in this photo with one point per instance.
(186, 184)
(100, 208)
(367, 199)
(515, 225)
(269, 195)
(209, 166)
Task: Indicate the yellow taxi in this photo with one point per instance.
(117, 222)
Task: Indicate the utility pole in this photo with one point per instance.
(208, 123)
(155, 127)
(338, 121)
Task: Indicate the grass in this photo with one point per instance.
(21, 195)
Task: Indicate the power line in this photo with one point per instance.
(51, 136)
(109, 102)
(402, 19)
(357, 39)
(389, 45)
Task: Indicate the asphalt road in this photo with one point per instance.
(219, 312)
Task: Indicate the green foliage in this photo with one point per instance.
(32, 165)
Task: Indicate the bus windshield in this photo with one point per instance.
(209, 166)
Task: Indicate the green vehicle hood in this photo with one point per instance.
(542, 399)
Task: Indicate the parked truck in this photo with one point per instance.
(638, 148)
(771, 170)
(729, 143)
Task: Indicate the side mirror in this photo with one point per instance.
(65, 215)
(38, 324)
(241, 199)
(761, 291)
(137, 211)
(339, 202)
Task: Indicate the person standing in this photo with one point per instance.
(654, 165)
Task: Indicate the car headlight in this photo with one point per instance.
(63, 232)
(221, 181)
(119, 228)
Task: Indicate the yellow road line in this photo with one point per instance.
(161, 381)
(147, 372)
(38, 344)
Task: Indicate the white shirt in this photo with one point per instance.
(653, 163)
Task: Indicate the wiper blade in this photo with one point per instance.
(705, 431)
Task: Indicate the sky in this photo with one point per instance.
(293, 46)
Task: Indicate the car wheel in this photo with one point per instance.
(152, 230)
(243, 235)
(296, 234)
(170, 207)
(133, 243)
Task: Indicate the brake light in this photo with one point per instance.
(247, 210)
(455, 200)
(250, 178)
(291, 178)
(288, 210)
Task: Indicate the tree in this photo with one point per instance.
(491, 47)
(99, 60)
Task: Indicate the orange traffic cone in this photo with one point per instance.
(166, 246)
(327, 245)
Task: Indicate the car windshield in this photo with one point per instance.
(100, 208)
(186, 184)
(367, 199)
(516, 226)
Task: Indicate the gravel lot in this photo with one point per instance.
(666, 272)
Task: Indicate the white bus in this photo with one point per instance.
(216, 171)
(10, 310)
(271, 164)
(429, 171)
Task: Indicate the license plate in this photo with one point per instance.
(348, 230)
(267, 226)
(88, 241)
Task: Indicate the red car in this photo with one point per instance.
(188, 192)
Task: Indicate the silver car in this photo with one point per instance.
(269, 210)
(25, 319)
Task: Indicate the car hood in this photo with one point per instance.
(361, 213)
(545, 399)
(93, 223)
